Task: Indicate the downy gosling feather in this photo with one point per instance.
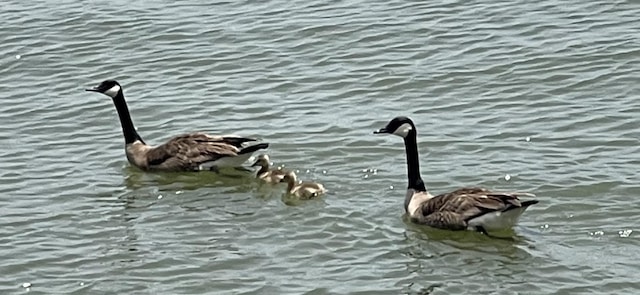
(303, 190)
(266, 173)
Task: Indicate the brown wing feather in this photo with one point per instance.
(450, 199)
(452, 210)
(188, 151)
(445, 220)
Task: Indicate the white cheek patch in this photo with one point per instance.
(403, 130)
(113, 91)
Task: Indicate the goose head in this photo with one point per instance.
(401, 126)
(262, 161)
(109, 88)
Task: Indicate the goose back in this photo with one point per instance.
(194, 151)
(466, 208)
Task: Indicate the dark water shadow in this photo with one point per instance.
(136, 179)
(268, 191)
(293, 201)
(508, 243)
(457, 252)
(142, 190)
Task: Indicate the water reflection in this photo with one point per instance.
(136, 179)
(506, 244)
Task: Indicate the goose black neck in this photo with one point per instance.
(413, 162)
(129, 131)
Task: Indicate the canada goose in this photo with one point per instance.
(465, 208)
(265, 173)
(304, 190)
(186, 152)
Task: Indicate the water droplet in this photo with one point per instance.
(81, 283)
(324, 171)
(391, 187)
(527, 139)
(597, 233)
(545, 226)
(26, 285)
(625, 233)
(179, 192)
(366, 176)
(159, 197)
(18, 56)
(364, 170)
(507, 177)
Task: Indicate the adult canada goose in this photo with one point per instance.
(465, 208)
(186, 152)
(265, 173)
(304, 190)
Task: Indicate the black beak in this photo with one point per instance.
(381, 131)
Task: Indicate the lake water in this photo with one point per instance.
(546, 92)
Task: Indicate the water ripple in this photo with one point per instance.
(543, 92)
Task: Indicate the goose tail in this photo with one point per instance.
(252, 148)
(529, 203)
(499, 220)
(523, 205)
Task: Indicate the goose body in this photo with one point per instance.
(185, 152)
(303, 190)
(469, 208)
(265, 173)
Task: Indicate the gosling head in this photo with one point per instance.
(401, 126)
(261, 160)
(109, 88)
(289, 177)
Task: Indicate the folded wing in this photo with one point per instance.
(189, 151)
